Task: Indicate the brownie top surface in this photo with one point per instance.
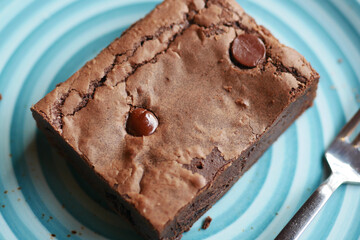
(176, 63)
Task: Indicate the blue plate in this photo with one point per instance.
(43, 42)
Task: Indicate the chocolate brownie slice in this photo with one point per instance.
(172, 113)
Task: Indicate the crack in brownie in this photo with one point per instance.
(168, 116)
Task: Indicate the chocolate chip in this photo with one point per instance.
(248, 50)
(141, 122)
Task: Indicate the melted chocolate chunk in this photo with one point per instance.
(248, 50)
(141, 122)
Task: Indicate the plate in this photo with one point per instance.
(43, 42)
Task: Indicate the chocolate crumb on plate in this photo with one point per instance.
(206, 223)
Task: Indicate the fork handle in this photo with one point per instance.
(311, 207)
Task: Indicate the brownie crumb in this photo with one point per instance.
(19, 188)
(207, 222)
(3, 206)
(73, 232)
(227, 88)
(0, 97)
(5, 192)
(53, 235)
(68, 235)
(242, 103)
(340, 60)
(50, 218)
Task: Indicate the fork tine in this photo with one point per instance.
(356, 141)
(350, 126)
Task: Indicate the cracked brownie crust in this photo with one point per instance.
(215, 117)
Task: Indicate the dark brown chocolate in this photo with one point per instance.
(248, 50)
(141, 122)
(206, 223)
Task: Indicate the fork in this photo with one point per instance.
(343, 157)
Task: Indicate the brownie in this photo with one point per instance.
(169, 116)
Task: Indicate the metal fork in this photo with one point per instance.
(343, 157)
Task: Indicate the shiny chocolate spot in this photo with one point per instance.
(248, 50)
(141, 122)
